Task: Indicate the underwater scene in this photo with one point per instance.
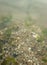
(23, 32)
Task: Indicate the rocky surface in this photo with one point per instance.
(24, 42)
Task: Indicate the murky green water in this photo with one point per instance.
(20, 9)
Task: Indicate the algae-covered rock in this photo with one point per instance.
(9, 61)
